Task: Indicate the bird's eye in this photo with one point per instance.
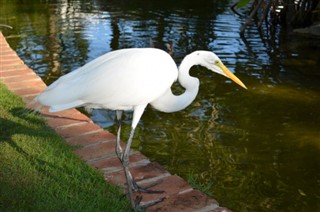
(216, 62)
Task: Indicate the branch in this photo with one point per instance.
(5, 25)
(265, 13)
(233, 8)
(254, 11)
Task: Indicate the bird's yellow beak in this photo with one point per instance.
(230, 75)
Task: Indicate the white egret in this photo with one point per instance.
(130, 79)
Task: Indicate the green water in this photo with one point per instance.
(255, 149)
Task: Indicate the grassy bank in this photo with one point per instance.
(39, 172)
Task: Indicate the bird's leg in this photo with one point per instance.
(132, 185)
(145, 189)
(130, 180)
(138, 111)
(125, 164)
(118, 146)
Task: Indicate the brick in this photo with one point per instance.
(187, 202)
(9, 63)
(113, 169)
(13, 68)
(10, 57)
(28, 91)
(27, 84)
(4, 54)
(101, 150)
(108, 165)
(70, 113)
(63, 123)
(113, 164)
(16, 73)
(171, 185)
(116, 178)
(143, 171)
(91, 139)
(73, 131)
(15, 61)
(148, 171)
(5, 47)
(57, 121)
(20, 79)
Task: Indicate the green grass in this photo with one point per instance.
(39, 171)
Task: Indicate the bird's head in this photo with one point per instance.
(211, 61)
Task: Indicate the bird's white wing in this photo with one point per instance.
(116, 80)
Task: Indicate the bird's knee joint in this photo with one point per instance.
(125, 161)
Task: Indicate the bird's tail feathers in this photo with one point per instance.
(65, 106)
(32, 108)
(34, 105)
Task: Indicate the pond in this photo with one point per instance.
(252, 150)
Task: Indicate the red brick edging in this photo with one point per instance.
(96, 146)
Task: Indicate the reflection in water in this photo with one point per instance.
(257, 149)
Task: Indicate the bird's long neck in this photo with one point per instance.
(171, 103)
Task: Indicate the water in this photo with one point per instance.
(253, 150)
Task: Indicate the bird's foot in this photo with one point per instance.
(139, 207)
(135, 201)
(138, 199)
(145, 189)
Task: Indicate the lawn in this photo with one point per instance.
(40, 172)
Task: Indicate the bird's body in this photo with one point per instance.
(114, 87)
(130, 79)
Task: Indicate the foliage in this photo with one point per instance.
(243, 3)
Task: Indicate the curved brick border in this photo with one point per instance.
(96, 146)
